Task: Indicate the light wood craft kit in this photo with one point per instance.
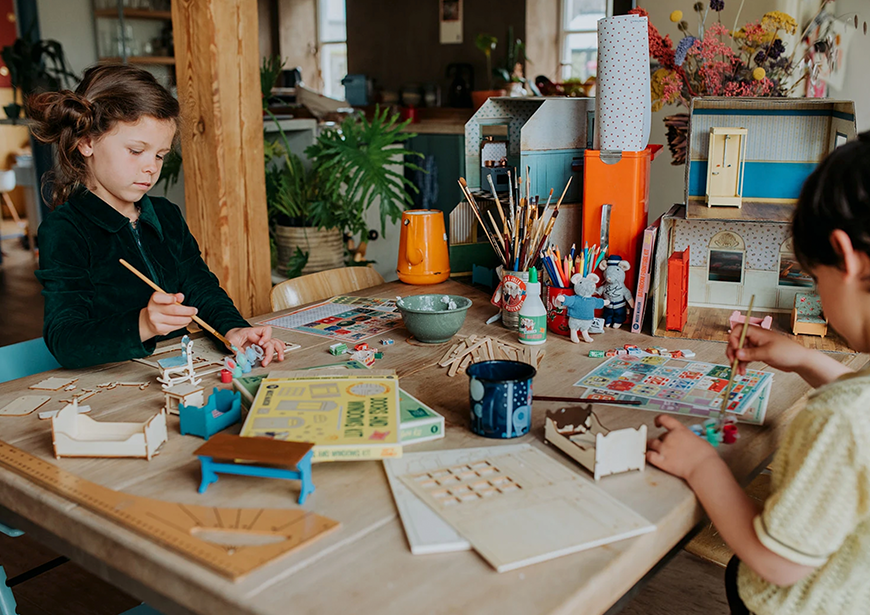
(476, 348)
(182, 527)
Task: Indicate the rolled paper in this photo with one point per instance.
(622, 106)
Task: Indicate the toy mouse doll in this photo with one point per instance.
(582, 306)
(615, 292)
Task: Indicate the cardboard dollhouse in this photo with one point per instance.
(547, 135)
(745, 249)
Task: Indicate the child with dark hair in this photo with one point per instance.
(111, 136)
(807, 551)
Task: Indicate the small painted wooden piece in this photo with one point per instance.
(807, 317)
(252, 451)
(76, 435)
(678, 291)
(579, 434)
(224, 408)
(187, 394)
(178, 369)
(737, 318)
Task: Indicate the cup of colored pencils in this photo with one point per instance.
(560, 270)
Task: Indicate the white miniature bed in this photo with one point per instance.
(77, 435)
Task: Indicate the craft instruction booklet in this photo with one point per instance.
(347, 415)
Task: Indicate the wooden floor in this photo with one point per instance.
(688, 585)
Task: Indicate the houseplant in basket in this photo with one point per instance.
(352, 170)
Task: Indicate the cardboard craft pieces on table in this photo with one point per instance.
(678, 386)
(251, 451)
(75, 435)
(53, 413)
(579, 434)
(53, 384)
(79, 397)
(213, 537)
(484, 348)
(24, 405)
(425, 530)
(349, 415)
(523, 508)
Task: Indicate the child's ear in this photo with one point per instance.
(86, 147)
(856, 263)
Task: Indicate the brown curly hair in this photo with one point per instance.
(107, 94)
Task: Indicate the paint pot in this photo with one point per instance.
(501, 398)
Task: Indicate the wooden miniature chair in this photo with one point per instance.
(180, 366)
(323, 285)
(807, 317)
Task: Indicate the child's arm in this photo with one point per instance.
(682, 453)
(776, 350)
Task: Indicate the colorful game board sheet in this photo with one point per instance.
(345, 319)
(679, 386)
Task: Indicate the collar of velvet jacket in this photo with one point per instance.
(104, 215)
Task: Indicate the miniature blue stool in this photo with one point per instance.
(223, 408)
(257, 450)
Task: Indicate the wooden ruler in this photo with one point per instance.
(230, 541)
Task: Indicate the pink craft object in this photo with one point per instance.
(737, 318)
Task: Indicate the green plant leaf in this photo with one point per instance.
(297, 263)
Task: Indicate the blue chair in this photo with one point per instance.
(25, 359)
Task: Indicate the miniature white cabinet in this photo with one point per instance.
(725, 163)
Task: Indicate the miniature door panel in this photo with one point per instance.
(725, 161)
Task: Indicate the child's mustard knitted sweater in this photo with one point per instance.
(818, 513)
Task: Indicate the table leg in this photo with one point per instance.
(209, 476)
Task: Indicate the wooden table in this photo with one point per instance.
(366, 566)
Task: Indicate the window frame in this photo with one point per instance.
(564, 31)
(322, 44)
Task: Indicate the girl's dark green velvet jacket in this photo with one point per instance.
(92, 302)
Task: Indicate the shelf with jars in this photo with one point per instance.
(134, 31)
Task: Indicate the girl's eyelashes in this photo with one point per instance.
(134, 152)
(159, 156)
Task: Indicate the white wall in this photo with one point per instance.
(857, 84)
(71, 23)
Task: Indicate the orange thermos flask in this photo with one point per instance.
(423, 257)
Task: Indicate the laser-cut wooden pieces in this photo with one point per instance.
(178, 369)
(251, 451)
(484, 348)
(425, 530)
(579, 434)
(218, 538)
(523, 508)
(24, 405)
(52, 384)
(85, 394)
(76, 435)
(53, 413)
(186, 393)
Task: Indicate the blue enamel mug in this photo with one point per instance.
(501, 398)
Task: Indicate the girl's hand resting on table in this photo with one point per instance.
(242, 337)
(163, 315)
(678, 451)
(766, 346)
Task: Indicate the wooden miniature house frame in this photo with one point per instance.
(77, 435)
(578, 433)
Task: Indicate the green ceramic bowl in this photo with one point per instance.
(430, 319)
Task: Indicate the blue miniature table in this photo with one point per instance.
(256, 450)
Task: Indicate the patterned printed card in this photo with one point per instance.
(344, 319)
(679, 386)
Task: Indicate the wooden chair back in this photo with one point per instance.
(323, 285)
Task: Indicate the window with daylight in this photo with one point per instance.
(332, 45)
(579, 36)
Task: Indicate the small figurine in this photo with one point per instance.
(615, 292)
(255, 354)
(582, 306)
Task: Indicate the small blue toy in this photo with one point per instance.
(255, 354)
(223, 408)
(243, 362)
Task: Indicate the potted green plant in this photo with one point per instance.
(352, 170)
(34, 66)
(486, 43)
(511, 70)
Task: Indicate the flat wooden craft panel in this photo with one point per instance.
(259, 450)
(24, 405)
(425, 530)
(52, 384)
(230, 541)
(524, 507)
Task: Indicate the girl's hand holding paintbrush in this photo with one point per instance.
(163, 315)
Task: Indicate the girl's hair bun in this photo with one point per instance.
(60, 114)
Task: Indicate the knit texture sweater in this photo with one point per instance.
(818, 512)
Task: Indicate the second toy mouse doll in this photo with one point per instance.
(582, 306)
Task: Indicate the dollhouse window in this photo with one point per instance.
(725, 258)
(791, 273)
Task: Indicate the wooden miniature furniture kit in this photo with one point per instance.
(53, 384)
(24, 405)
(76, 435)
(178, 369)
(726, 161)
(250, 451)
(523, 508)
(807, 317)
(476, 348)
(200, 533)
(737, 318)
(223, 408)
(178, 394)
(579, 434)
(50, 414)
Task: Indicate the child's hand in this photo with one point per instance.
(763, 345)
(243, 337)
(678, 451)
(163, 315)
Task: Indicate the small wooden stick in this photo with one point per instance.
(722, 410)
(196, 319)
(497, 202)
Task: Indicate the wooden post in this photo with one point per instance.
(217, 66)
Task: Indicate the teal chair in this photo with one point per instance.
(25, 359)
